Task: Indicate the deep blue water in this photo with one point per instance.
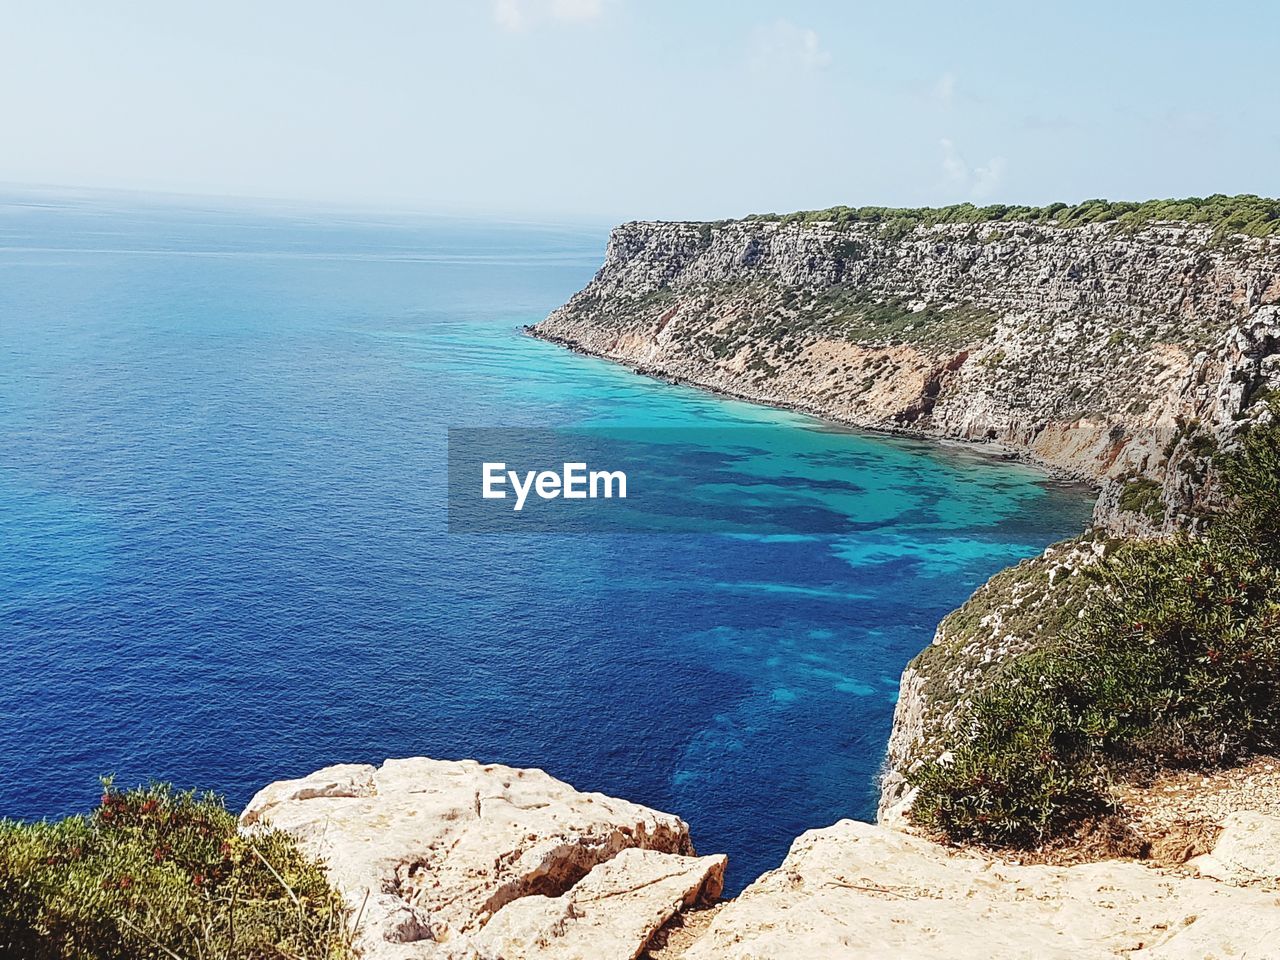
(224, 556)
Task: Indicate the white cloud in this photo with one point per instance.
(576, 9)
(517, 15)
(978, 182)
(944, 89)
(784, 46)
(509, 14)
(988, 178)
(953, 166)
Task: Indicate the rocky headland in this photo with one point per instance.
(1117, 353)
(1107, 342)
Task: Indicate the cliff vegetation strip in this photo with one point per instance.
(1244, 214)
(1160, 655)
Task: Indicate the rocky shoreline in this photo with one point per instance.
(986, 447)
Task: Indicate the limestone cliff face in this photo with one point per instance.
(1110, 356)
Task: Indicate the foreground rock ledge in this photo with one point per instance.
(455, 860)
(856, 890)
(427, 852)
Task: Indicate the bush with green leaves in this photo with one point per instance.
(1251, 479)
(1245, 215)
(154, 874)
(1174, 662)
(1142, 495)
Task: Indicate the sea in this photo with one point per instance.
(226, 555)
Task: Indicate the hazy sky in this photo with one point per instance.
(616, 109)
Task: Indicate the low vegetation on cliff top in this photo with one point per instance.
(1245, 214)
(1173, 662)
(153, 874)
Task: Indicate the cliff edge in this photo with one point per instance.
(458, 860)
(469, 861)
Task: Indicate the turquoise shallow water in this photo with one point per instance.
(224, 556)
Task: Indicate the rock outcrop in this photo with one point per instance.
(614, 911)
(428, 853)
(856, 891)
(1117, 357)
(447, 860)
(1246, 852)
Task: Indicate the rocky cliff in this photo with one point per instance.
(1118, 355)
(1005, 618)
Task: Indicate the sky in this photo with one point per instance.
(628, 109)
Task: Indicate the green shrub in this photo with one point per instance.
(1174, 661)
(1143, 495)
(153, 874)
(1020, 775)
(898, 229)
(1251, 478)
(1246, 215)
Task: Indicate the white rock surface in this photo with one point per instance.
(613, 912)
(855, 891)
(448, 860)
(426, 851)
(1247, 850)
(1249, 932)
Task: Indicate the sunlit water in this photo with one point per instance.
(224, 557)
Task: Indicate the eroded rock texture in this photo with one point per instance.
(449, 860)
(428, 852)
(856, 891)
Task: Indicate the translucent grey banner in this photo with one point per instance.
(744, 480)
